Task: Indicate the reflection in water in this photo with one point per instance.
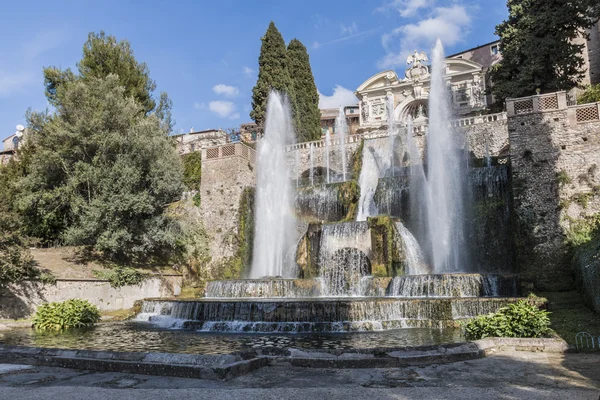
(143, 337)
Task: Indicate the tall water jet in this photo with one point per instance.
(297, 168)
(445, 177)
(327, 151)
(275, 222)
(391, 128)
(312, 165)
(417, 187)
(341, 126)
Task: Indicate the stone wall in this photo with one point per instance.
(552, 157)
(223, 181)
(21, 300)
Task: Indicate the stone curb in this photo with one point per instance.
(228, 366)
(164, 364)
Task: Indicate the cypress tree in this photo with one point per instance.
(308, 115)
(272, 74)
(538, 47)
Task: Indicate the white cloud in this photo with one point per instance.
(450, 24)
(340, 97)
(248, 71)
(199, 106)
(348, 30)
(406, 8)
(224, 109)
(226, 90)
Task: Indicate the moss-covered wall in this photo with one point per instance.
(387, 259)
(307, 254)
(237, 267)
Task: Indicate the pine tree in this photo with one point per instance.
(273, 74)
(308, 115)
(104, 55)
(538, 46)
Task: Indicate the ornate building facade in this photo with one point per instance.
(410, 94)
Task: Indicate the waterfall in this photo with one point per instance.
(341, 126)
(274, 226)
(343, 263)
(415, 260)
(375, 163)
(445, 178)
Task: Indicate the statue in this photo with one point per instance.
(417, 69)
(364, 107)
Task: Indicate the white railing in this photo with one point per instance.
(535, 104)
(480, 119)
(229, 150)
(586, 112)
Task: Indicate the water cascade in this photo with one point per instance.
(275, 222)
(343, 263)
(375, 163)
(341, 127)
(415, 260)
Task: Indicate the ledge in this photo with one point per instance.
(228, 366)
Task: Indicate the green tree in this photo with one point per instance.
(273, 74)
(308, 115)
(16, 262)
(538, 46)
(101, 173)
(590, 95)
(104, 55)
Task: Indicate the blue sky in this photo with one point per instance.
(205, 53)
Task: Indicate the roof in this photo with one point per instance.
(9, 137)
(473, 48)
(196, 133)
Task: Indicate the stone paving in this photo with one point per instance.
(503, 375)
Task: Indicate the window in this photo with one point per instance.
(494, 49)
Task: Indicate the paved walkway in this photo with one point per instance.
(505, 375)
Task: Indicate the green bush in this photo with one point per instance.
(122, 276)
(192, 170)
(520, 320)
(590, 95)
(73, 313)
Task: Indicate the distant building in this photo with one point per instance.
(196, 141)
(11, 144)
(329, 115)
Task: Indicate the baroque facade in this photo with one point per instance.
(410, 95)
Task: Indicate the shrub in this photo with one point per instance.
(520, 320)
(590, 95)
(73, 313)
(122, 276)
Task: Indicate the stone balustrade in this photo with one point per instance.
(576, 114)
(229, 150)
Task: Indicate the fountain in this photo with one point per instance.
(341, 128)
(274, 218)
(399, 260)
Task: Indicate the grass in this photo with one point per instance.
(569, 315)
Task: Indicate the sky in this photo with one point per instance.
(204, 54)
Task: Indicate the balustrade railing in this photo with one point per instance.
(230, 150)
